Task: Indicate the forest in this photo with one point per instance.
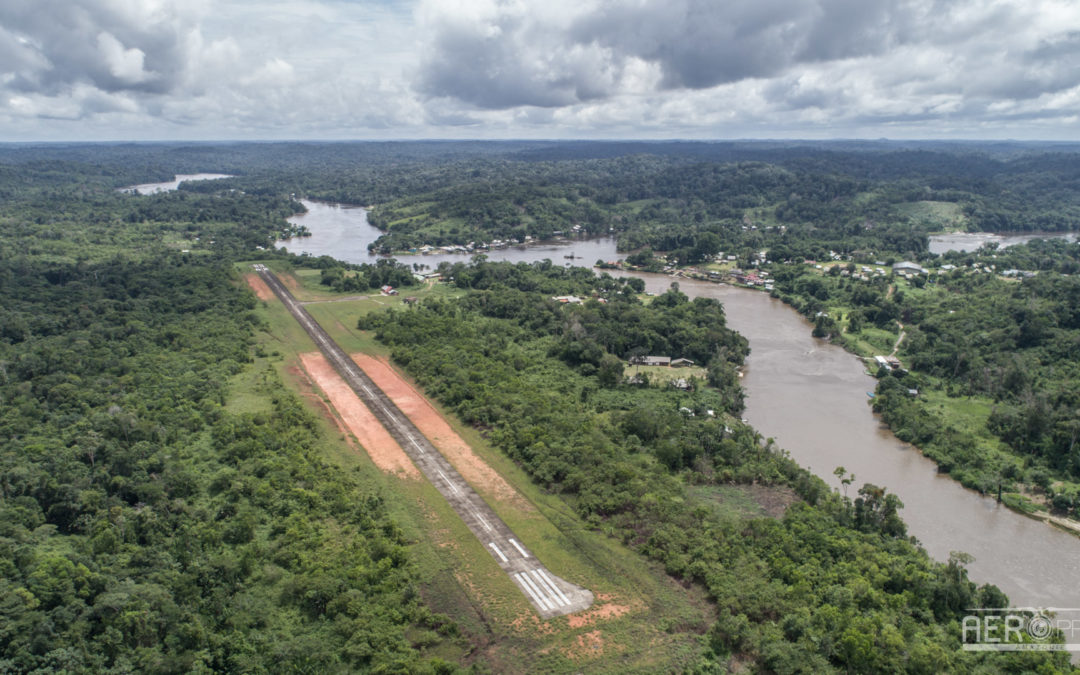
(153, 521)
(1007, 346)
(834, 584)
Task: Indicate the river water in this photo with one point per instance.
(811, 397)
(344, 233)
(170, 185)
(970, 241)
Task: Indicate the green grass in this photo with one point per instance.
(459, 576)
(968, 414)
(949, 216)
(665, 374)
(730, 502)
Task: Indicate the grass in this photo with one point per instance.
(459, 576)
(665, 374)
(949, 216)
(730, 502)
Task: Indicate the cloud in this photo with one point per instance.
(542, 68)
(502, 54)
(112, 45)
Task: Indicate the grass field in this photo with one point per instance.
(948, 216)
(642, 620)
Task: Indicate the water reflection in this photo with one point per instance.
(344, 233)
(811, 397)
(169, 186)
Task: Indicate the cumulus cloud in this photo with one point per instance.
(501, 54)
(112, 45)
(752, 64)
(549, 68)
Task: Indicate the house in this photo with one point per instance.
(388, 290)
(679, 363)
(650, 360)
(567, 299)
(411, 300)
(906, 266)
(681, 384)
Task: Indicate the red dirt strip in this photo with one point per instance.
(380, 446)
(430, 423)
(262, 291)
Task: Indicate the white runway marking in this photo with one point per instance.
(539, 595)
(552, 589)
(553, 585)
(523, 552)
(496, 549)
(482, 520)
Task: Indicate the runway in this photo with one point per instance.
(549, 595)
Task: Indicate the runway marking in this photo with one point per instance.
(552, 596)
(535, 598)
(496, 549)
(537, 593)
(482, 520)
(553, 585)
(523, 552)
(453, 488)
(548, 585)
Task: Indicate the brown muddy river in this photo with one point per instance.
(811, 397)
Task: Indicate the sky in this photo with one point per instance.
(89, 70)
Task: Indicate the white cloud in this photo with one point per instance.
(550, 68)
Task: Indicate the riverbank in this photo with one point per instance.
(964, 419)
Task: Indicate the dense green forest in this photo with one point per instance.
(148, 528)
(152, 525)
(147, 525)
(834, 584)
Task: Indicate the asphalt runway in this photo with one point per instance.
(549, 595)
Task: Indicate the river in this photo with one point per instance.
(970, 241)
(170, 185)
(810, 396)
(344, 232)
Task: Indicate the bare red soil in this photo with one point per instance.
(378, 443)
(262, 291)
(430, 423)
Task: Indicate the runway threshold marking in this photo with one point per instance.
(497, 550)
(523, 552)
(535, 592)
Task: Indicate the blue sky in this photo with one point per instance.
(327, 69)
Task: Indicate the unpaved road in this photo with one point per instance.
(550, 595)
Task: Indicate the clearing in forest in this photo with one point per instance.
(380, 446)
(437, 430)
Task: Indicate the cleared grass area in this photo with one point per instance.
(642, 621)
(743, 502)
(875, 340)
(949, 216)
(664, 374)
(968, 414)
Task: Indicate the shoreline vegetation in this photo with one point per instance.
(1023, 501)
(177, 498)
